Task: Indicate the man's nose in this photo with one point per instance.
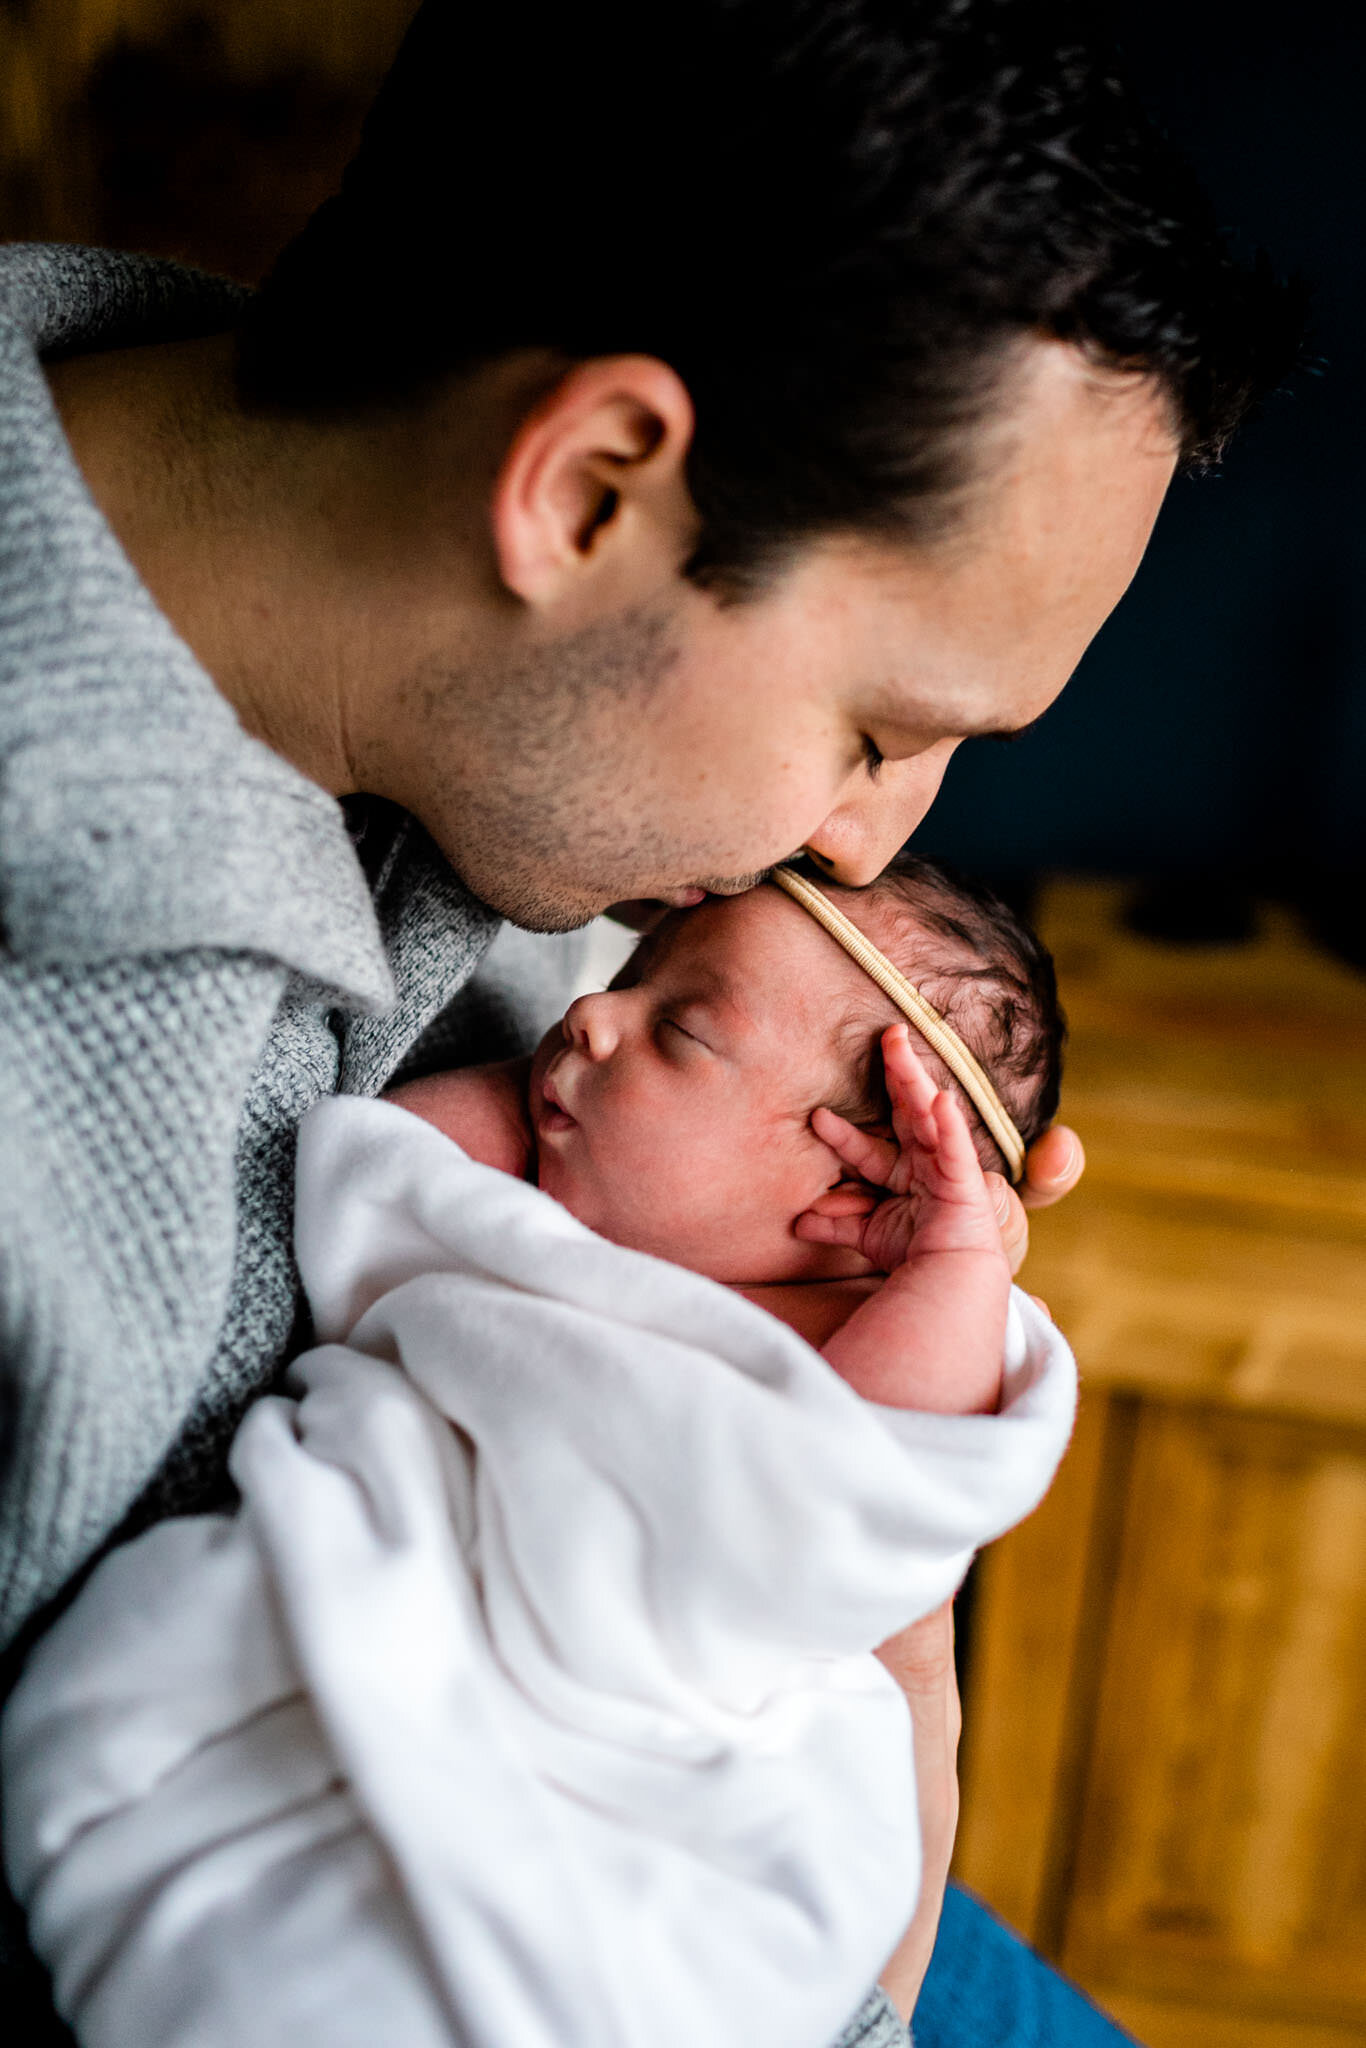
(592, 1024)
(855, 841)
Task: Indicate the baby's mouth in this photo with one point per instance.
(553, 1115)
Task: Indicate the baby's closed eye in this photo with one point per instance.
(679, 1036)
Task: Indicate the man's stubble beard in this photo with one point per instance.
(534, 817)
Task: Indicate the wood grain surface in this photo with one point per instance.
(1163, 1783)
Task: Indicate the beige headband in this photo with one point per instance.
(908, 999)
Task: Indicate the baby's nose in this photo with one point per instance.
(591, 1024)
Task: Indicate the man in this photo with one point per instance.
(686, 427)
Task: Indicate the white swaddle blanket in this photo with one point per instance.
(558, 1728)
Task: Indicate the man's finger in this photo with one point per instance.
(1053, 1166)
(1012, 1219)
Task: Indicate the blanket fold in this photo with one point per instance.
(528, 1700)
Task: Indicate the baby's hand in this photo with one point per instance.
(933, 1335)
(936, 1197)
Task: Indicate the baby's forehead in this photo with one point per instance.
(768, 957)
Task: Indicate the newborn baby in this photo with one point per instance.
(529, 1697)
(733, 1100)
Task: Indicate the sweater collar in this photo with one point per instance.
(136, 815)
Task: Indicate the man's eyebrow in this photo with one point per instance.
(941, 728)
(1005, 733)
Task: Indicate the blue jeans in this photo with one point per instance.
(986, 1989)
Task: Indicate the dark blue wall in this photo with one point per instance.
(1219, 721)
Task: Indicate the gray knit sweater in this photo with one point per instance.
(198, 943)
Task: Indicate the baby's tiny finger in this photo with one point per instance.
(846, 1202)
(817, 1229)
(871, 1157)
(910, 1087)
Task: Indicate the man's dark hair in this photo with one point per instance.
(986, 973)
(833, 218)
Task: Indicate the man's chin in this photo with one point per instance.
(536, 905)
(544, 920)
(531, 910)
(536, 913)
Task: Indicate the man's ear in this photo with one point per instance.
(594, 485)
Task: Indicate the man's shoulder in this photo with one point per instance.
(136, 816)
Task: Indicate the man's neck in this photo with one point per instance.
(311, 566)
(183, 477)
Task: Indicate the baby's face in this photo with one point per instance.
(673, 1111)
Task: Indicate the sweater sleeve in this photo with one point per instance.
(119, 1128)
(876, 2024)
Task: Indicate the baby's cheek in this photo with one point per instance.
(672, 1198)
(728, 1219)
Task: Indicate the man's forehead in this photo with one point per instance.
(975, 632)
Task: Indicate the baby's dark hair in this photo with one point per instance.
(986, 973)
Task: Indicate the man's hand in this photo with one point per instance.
(920, 1659)
(1054, 1164)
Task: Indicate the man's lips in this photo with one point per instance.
(698, 892)
(642, 913)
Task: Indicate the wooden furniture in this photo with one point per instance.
(204, 129)
(1163, 1776)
